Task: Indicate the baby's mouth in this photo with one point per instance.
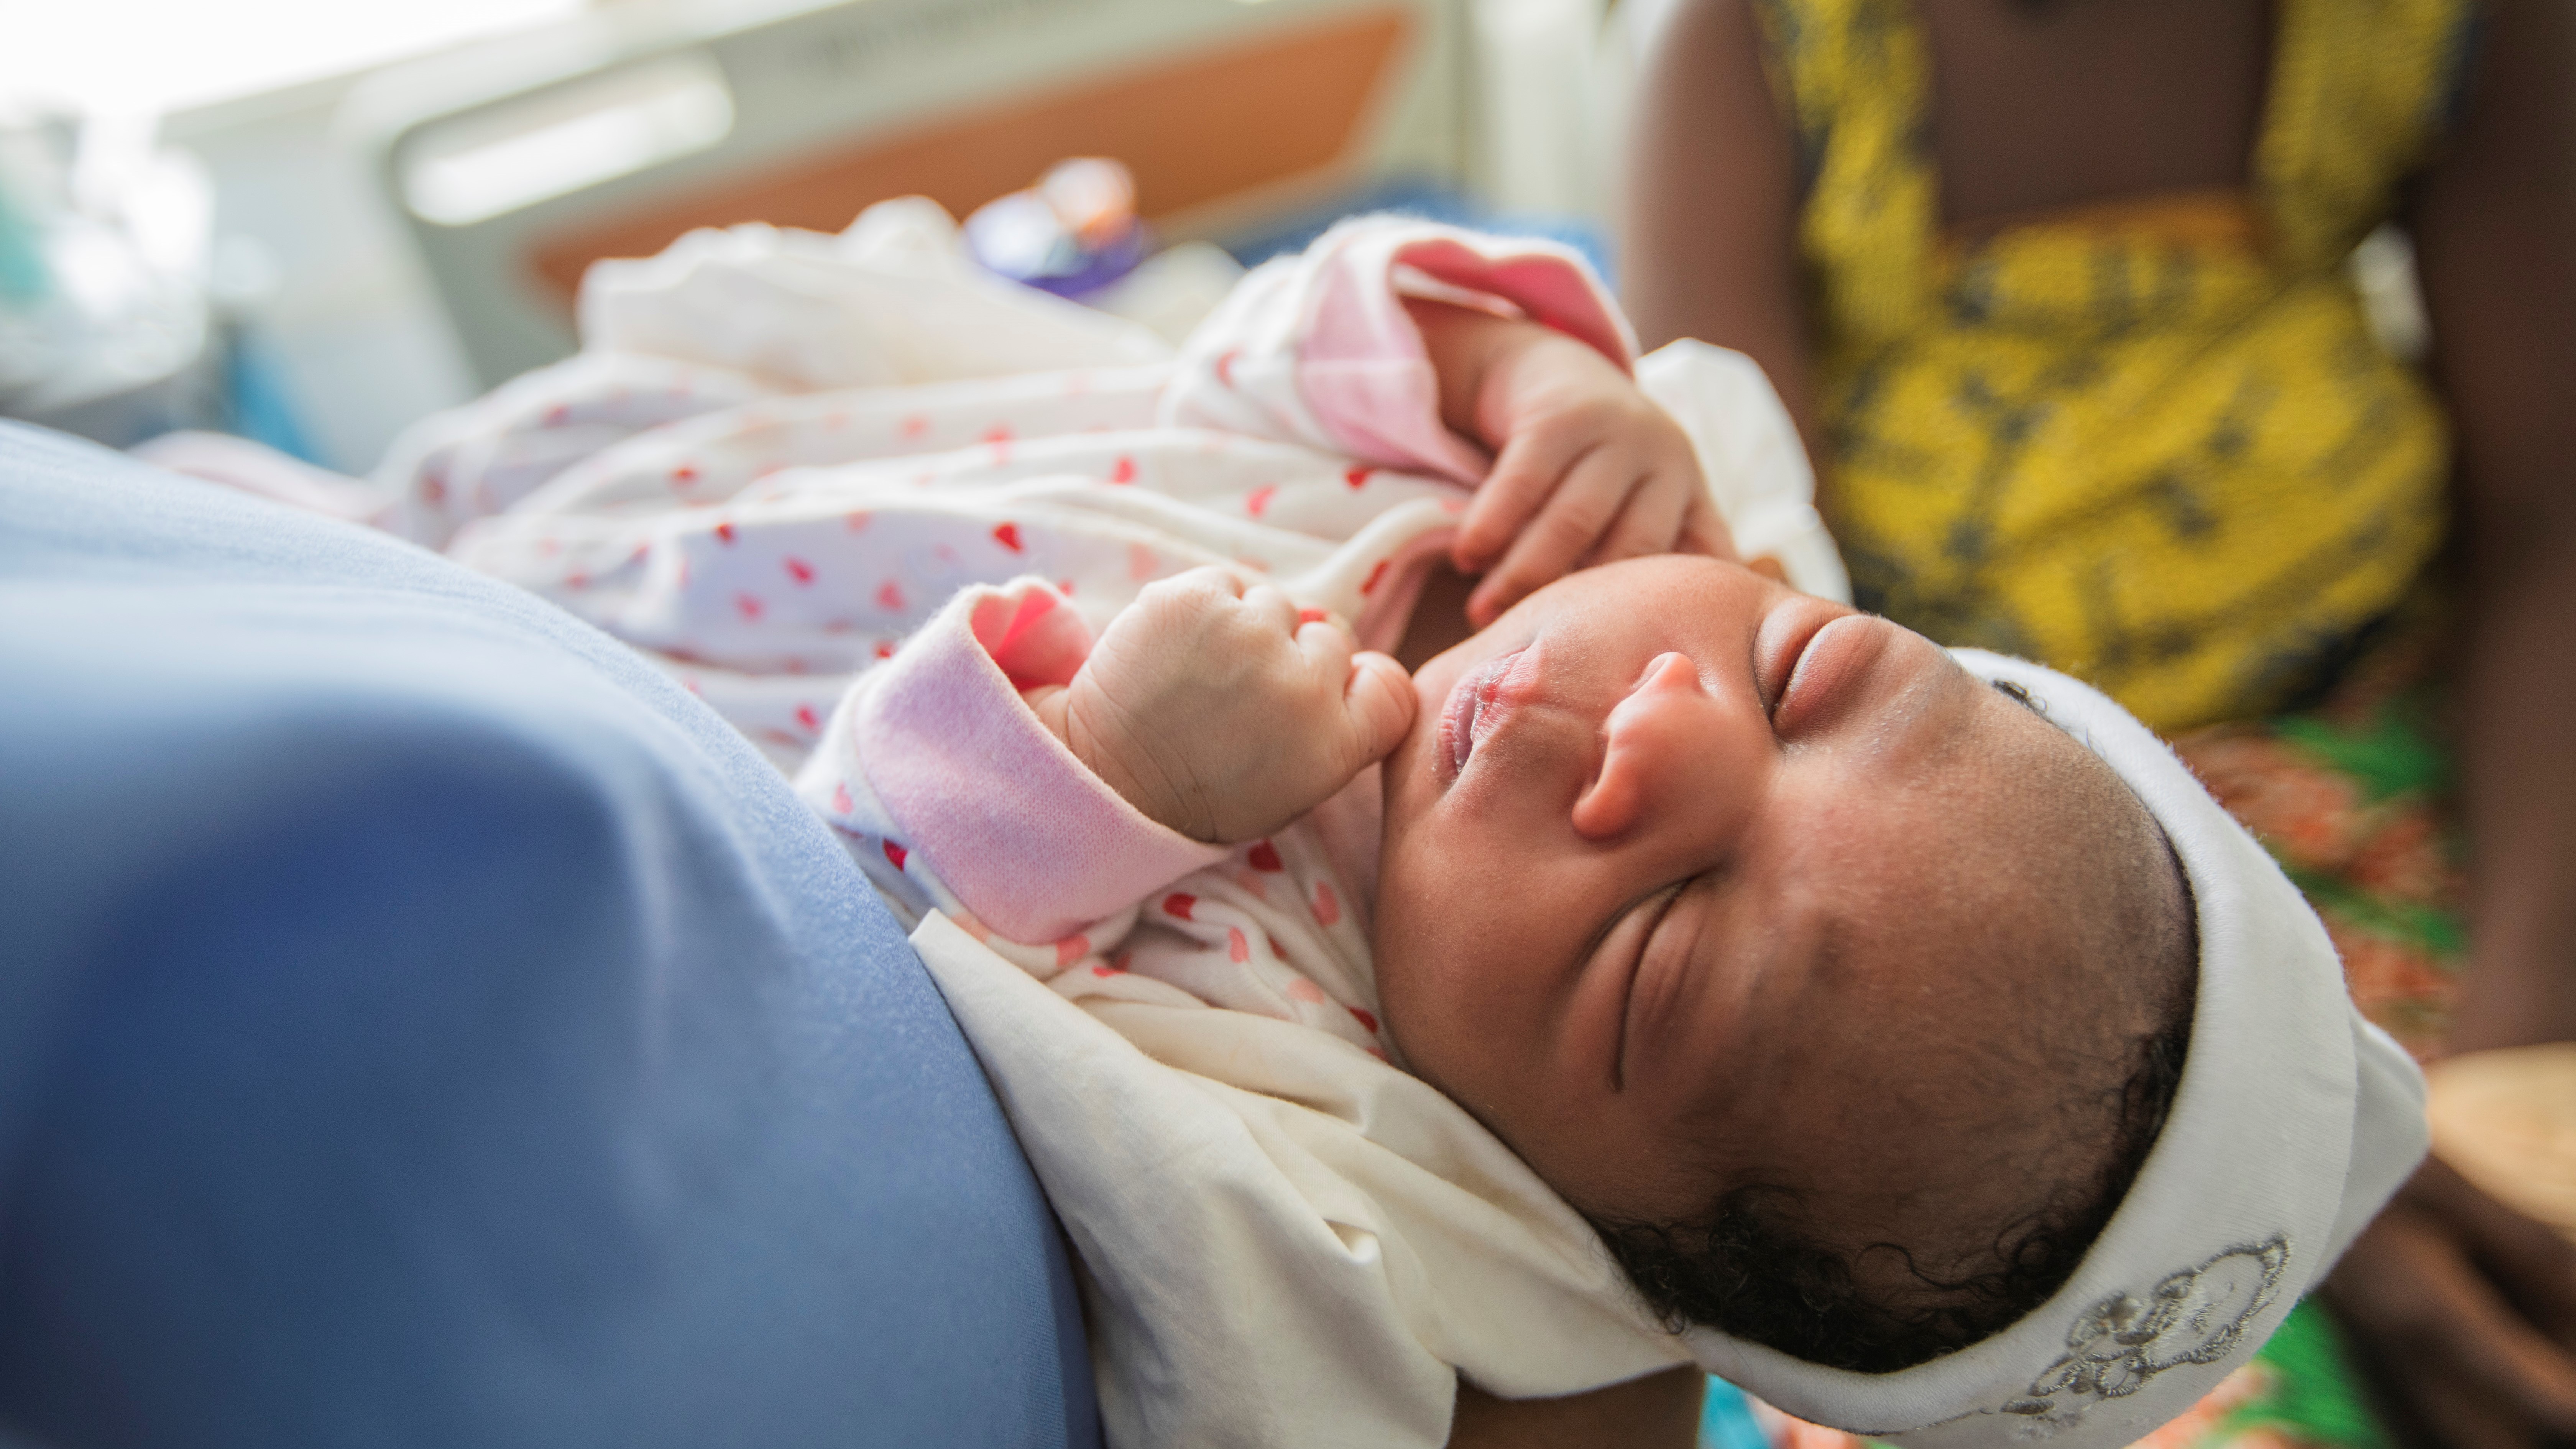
(1478, 705)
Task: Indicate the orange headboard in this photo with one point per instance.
(1194, 131)
(1231, 114)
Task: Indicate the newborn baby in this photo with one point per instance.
(1843, 993)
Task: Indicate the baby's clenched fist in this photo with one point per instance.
(1222, 711)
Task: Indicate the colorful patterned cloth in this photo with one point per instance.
(2354, 798)
(2152, 443)
(2299, 1394)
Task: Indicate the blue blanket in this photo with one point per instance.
(423, 1023)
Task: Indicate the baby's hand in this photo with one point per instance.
(1587, 469)
(1224, 712)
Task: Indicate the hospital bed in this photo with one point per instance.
(411, 234)
(612, 135)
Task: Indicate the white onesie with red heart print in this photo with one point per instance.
(779, 453)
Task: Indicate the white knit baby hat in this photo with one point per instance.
(2294, 1121)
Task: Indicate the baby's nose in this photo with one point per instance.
(1651, 734)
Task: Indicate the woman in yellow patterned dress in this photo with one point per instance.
(2057, 291)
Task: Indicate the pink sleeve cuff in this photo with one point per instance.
(1029, 839)
(1362, 369)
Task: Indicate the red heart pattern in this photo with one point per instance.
(935, 556)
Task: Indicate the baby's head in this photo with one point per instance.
(1843, 992)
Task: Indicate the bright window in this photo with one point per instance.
(138, 57)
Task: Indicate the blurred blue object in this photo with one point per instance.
(1431, 201)
(256, 405)
(1726, 1419)
(24, 277)
(1072, 234)
(423, 1023)
(100, 334)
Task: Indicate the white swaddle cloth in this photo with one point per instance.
(1285, 1241)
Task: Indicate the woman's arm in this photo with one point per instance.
(2495, 232)
(2474, 1316)
(1710, 249)
(1659, 1411)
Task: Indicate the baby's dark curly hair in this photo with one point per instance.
(1756, 1267)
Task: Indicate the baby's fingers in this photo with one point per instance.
(1528, 470)
(1378, 705)
(1650, 522)
(1270, 608)
(1327, 646)
(1364, 695)
(1369, 692)
(1566, 530)
(1704, 530)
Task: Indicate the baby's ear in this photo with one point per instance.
(1031, 632)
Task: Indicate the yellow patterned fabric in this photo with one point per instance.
(2154, 444)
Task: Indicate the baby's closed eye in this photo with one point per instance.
(1646, 951)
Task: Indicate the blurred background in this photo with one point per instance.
(313, 223)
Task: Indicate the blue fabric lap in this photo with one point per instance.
(423, 1023)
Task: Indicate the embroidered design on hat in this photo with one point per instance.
(2196, 1316)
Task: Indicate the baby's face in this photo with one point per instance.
(1682, 865)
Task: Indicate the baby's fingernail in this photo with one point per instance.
(1312, 616)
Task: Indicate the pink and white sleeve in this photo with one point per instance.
(1318, 348)
(934, 763)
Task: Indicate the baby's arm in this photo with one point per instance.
(1499, 362)
(1046, 784)
(1587, 469)
(1224, 712)
(951, 794)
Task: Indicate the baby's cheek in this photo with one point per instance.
(1418, 1002)
(1447, 999)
